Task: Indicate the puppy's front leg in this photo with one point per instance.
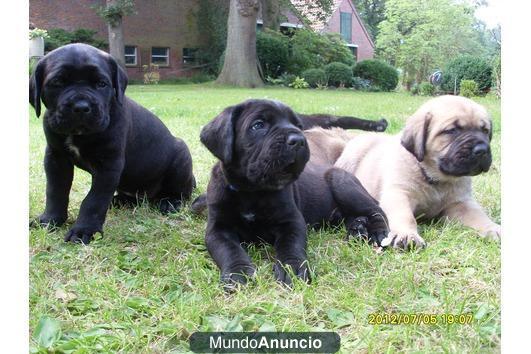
(402, 224)
(59, 174)
(472, 215)
(225, 248)
(94, 207)
(290, 247)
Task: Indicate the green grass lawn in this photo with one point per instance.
(149, 282)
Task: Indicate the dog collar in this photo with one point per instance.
(427, 178)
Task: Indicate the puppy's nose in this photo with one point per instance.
(295, 140)
(480, 149)
(81, 107)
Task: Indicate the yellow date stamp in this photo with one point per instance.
(419, 319)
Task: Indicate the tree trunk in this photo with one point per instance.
(116, 38)
(271, 14)
(240, 64)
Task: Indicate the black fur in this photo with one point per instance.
(329, 121)
(263, 189)
(89, 123)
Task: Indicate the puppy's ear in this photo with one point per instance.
(119, 80)
(415, 135)
(35, 87)
(218, 135)
(491, 129)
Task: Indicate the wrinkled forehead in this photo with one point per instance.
(466, 115)
(272, 112)
(73, 61)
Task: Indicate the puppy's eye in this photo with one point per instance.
(56, 81)
(485, 130)
(450, 131)
(258, 125)
(101, 84)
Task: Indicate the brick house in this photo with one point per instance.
(164, 32)
(345, 20)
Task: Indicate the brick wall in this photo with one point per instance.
(359, 35)
(158, 23)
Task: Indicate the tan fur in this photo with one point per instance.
(326, 145)
(393, 175)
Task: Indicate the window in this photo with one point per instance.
(345, 26)
(160, 56)
(189, 55)
(130, 55)
(354, 49)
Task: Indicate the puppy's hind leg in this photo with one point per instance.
(179, 181)
(361, 124)
(363, 216)
(122, 200)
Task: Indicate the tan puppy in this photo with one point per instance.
(425, 170)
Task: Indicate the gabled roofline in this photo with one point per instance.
(355, 11)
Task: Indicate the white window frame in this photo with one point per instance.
(167, 56)
(130, 55)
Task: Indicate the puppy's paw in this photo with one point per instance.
(82, 234)
(381, 125)
(169, 205)
(358, 228)
(492, 233)
(377, 228)
(123, 201)
(237, 276)
(403, 240)
(48, 221)
(300, 269)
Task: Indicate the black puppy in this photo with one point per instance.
(329, 121)
(252, 196)
(89, 123)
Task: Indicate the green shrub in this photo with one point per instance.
(426, 89)
(467, 67)
(468, 88)
(32, 64)
(58, 37)
(339, 74)
(38, 33)
(299, 83)
(274, 81)
(315, 77)
(361, 84)
(496, 75)
(414, 89)
(272, 49)
(381, 75)
(287, 78)
(312, 50)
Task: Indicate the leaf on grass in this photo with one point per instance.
(234, 325)
(61, 294)
(215, 323)
(267, 326)
(340, 318)
(82, 306)
(481, 311)
(47, 332)
(220, 324)
(138, 303)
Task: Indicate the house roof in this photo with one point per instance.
(312, 13)
(319, 23)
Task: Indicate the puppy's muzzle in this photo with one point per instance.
(81, 108)
(79, 114)
(295, 141)
(468, 157)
